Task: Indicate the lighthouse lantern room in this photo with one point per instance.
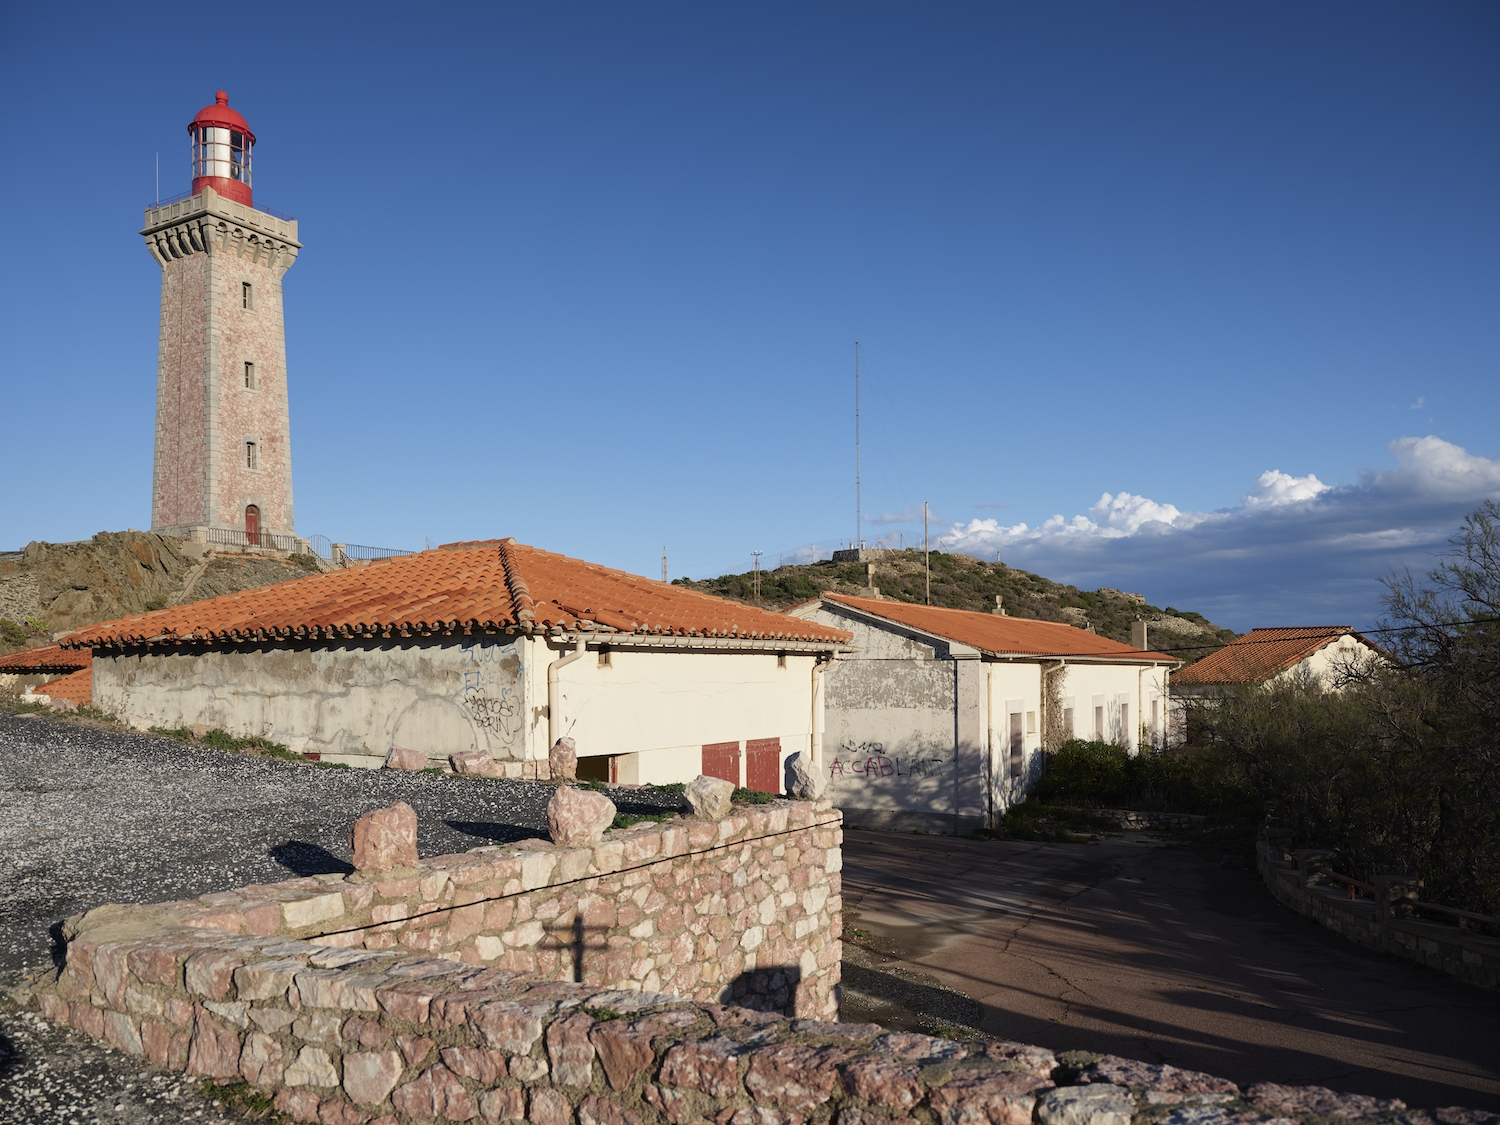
(221, 151)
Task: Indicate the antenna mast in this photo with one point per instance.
(663, 564)
(859, 515)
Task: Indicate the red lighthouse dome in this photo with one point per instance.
(221, 151)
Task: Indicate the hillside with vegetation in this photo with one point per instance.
(964, 582)
(49, 588)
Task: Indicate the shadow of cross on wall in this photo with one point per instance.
(598, 962)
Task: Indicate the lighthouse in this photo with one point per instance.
(223, 464)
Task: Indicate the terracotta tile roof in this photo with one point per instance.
(47, 658)
(77, 686)
(1261, 654)
(497, 585)
(1003, 636)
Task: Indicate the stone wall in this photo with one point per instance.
(294, 989)
(1467, 955)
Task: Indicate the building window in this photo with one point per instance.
(1098, 722)
(1125, 734)
(247, 295)
(1156, 722)
(1070, 706)
(249, 376)
(252, 455)
(1030, 722)
(1017, 745)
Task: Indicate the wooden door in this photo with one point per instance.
(252, 525)
(763, 765)
(722, 759)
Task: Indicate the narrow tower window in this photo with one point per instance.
(252, 455)
(247, 295)
(249, 376)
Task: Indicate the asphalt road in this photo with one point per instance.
(1136, 948)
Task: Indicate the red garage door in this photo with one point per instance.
(722, 759)
(763, 765)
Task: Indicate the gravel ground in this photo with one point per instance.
(90, 815)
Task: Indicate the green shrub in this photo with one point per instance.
(1086, 773)
(751, 797)
(12, 633)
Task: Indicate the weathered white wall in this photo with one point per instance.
(1014, 688)
(653, 709)
(918, 731)
(657, 710)
(347, 703)
(889, 737)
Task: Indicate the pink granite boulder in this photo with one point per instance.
(578, 817)
(563, 758)
(475, 763)
(385, 838)
(400, 758)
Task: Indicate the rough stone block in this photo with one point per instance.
(311, 1067)
(1085, 1105)
(261, 1060)
(436, 1093)
(578, 817)
(475, 763)
(708, 798)
(562, 760)
(370, 1076)
(213, 1050)
(400, 758)
(794, 1076)
(986, 1096)
(570, 1051)
(1296, 1100)
(385, 838)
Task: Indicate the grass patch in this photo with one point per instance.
(244, 1097)
(333, 765)
(20, 706)
(604, 1015)
(672, 787)
(751, 797)
(625, 820)
(223, 740)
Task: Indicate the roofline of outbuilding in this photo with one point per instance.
(592, 638)
(969, 651)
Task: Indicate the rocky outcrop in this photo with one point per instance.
(116, 574)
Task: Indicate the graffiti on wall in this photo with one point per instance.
(491, 690)
(868, 762)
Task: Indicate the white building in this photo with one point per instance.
(936, 719)
(491, 646)
(1321, 653)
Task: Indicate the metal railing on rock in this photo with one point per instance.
(343, 553)
(232, 537)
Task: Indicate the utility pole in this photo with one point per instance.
(926, 552)
(859, 515)
(757, 555)
(663, 564)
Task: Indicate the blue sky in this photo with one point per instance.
(591, 275)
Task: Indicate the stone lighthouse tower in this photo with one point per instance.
(223, 470)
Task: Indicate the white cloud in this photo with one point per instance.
(1293, 550)
(1419, 404)
(1274, 487)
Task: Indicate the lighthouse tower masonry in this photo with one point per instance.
(223, 468)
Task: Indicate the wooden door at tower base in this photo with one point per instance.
(722, 759)
(763, 765)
